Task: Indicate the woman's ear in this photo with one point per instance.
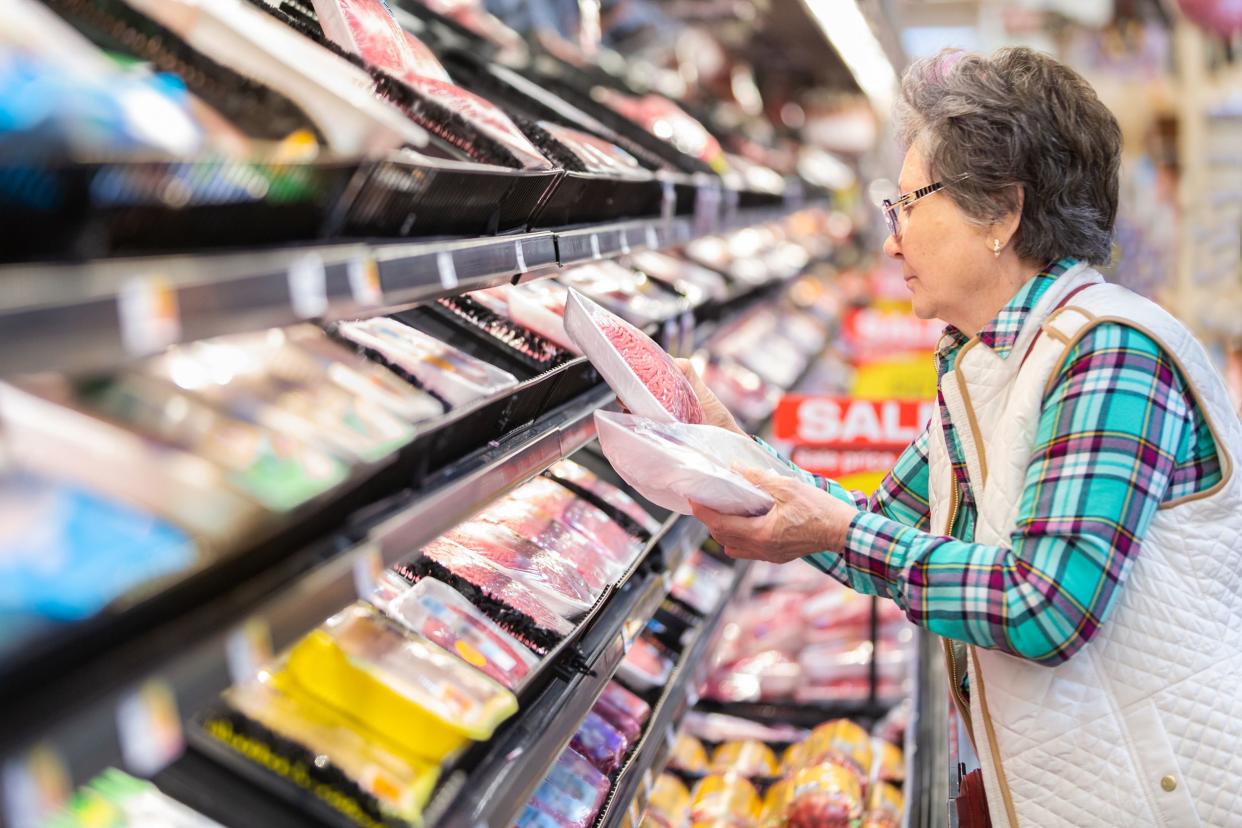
(1006, 227)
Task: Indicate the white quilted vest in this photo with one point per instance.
(1143, 726)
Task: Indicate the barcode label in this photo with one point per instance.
(149, 727)
(364, 281)
(248, 650)
(521, 257)
(447, 269)
(595, 254)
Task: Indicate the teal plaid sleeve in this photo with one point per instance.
(1119, 433)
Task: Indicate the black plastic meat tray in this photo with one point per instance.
(86, 210)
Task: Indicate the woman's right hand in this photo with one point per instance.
(714, 411)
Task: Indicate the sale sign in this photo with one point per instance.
(844, 437)
(871, 332)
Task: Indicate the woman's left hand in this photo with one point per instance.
(803, 520)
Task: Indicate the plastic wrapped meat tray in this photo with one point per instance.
(613, 542)
(581, 476)
(644, 377)
(455, 377)
(527, 520)
(600, 742)
(672, 463)
(570, 796)
(512, 597)
(626, 292)
(645, 666)
(556, 577)
(445, 617)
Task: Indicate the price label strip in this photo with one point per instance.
(249, 650)
(521, 257)
(625, 242)
(308, 286)
(595, 254)
(148, 314)
(653, 238)
(448, 270)
(149, 727)
(364, 281)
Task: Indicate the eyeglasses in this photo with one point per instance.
(890, 207)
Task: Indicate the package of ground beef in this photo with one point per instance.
(672, 464)
(644, 377)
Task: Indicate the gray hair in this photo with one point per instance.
(1018, 118)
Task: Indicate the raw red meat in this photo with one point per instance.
(484, 115)
(528, 521)
(610, 494)
(600, 742)
(654, 367)
(495, 583)
(664, 119)
(422, 62)
(618, 698)
(613, 541)
(596, 154)
(367, 29)
(513, 552)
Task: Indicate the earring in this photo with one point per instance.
(996, 247)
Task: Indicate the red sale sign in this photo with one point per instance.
(869, 332)
(842, 436)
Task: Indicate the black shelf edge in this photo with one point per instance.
(931, 770)
(201, 654)
(505, 771)
(119, 309)
(633, 783)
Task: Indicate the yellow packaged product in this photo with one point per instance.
(748, 757)
(725, 801)
(668, 805)
(827, 795)
(841, 739)
(688, 754)
(776, 803)
(322, 751)
(423, 700)
(884, 807)
(889, 762)
(793, 759)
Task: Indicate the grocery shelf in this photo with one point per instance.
(931, 774)
(90, 316)
(491, 786)
(634, 781)
(190, 660)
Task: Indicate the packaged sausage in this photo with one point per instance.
(669, 804)
(884, 807)
(600, 742)
(725, 800)
(688, 755)
(841, 741)
(570, 796)
(827, 795)
(747, 758)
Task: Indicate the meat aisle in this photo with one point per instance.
(320, 322)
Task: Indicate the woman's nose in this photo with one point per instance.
(892, 247)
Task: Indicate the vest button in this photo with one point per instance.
(1169, 783)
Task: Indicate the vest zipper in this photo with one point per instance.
(957, 501)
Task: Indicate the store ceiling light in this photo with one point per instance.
(850, 34)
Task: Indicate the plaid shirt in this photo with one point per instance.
(1120, 433)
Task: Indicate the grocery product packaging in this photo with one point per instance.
(538, 305)
(747, 757)
(701, 581)
(667, 121)
(556, 576)
(595, 154)
(617, 703)
(570, 796)
(826, 795)
(583, 477)
(525, 518)
(508, 601)
(888, 762)
(66, 553)
(600, 742)
(841, 741)
(453, 376)
(725, 800)
(445, 617)
(423, 700)
(481, 311)
(614, 544)
(668, 806)
(672, 463)
(114, 799)
(646, 666)
(698, 283)
(322, 750)
(688, 754)
(645, 378)
(776, 804)
(625, 291)
(884, 807)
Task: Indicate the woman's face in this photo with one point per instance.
(945, 259)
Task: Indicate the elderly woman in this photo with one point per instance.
(1070, 520)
